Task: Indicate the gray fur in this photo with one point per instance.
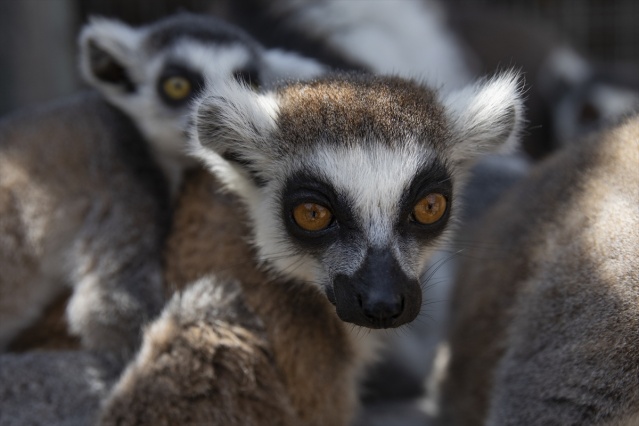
(544, 323)
(86, 208)
(53, 388)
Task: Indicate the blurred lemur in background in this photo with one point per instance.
(86, 183)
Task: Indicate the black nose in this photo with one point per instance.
(382, 311)
(379, 294)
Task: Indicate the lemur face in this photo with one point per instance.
(350, 180)
(153, 73)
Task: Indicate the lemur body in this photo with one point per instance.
(411, 39)
(544, 324)
(83, 202)
(366, 149)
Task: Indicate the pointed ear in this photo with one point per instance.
(234, 122)
(486, 117)
(107, 54)
(280, 65)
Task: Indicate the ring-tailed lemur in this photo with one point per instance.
(82, 202)
(544, 323)
(349, 182)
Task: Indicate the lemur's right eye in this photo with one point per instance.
(312, 217)
(177, 87)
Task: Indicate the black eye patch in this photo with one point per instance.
(305, 188)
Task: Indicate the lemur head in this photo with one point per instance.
(350, 180)
(153, 73)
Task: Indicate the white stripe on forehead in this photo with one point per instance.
(374, 178)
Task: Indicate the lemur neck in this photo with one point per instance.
(311, 346)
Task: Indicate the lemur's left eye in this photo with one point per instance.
(429, 209)
(312, 217)
(177, 88)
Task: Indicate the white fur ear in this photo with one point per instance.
(486, 117)
(108, 54)
(234, 122)
(281, 64)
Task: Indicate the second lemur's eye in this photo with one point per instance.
(312, 217)
(429, 209)
(177, 88)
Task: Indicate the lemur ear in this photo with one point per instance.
(107, 54)
(281, 64)
(234, 122)
(486, 117)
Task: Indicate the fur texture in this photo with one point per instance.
(543, 328)
(81, 220)
(62, 388)
(87, 207)
(295, 359)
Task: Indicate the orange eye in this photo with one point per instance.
(177, 87)
(430, 209)
(312, 217)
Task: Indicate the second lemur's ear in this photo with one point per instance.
(234, 122)
(485, 117)
(107, 54)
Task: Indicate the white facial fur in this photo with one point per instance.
(374, 180)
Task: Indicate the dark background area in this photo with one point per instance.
(38, 49)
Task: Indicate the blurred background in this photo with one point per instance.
(38, 50)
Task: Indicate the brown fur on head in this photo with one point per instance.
(544, 325)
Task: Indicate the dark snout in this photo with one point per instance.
(378, 295)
